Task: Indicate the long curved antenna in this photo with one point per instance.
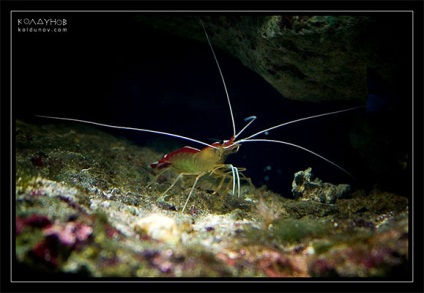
(222, 78)
(128, 128)
(297, 146)
(298, 120)
(250, 119)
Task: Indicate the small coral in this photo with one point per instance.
(305, 189)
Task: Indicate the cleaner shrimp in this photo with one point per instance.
(210, 160)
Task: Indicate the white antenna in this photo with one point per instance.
(249, 138)
(298, 120)
(222, 78)
(128, 128)
(297, 146)
(250, 120)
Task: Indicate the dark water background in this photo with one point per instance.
(110, 69)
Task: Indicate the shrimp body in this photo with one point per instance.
(194, 161)
(189, 161)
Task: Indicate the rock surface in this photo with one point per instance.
(86, 206)
(305, 57)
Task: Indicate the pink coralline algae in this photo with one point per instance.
(69, 233)
(46, 251)
(65, 235)
(35, 221)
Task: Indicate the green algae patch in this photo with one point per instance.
(292, 231)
